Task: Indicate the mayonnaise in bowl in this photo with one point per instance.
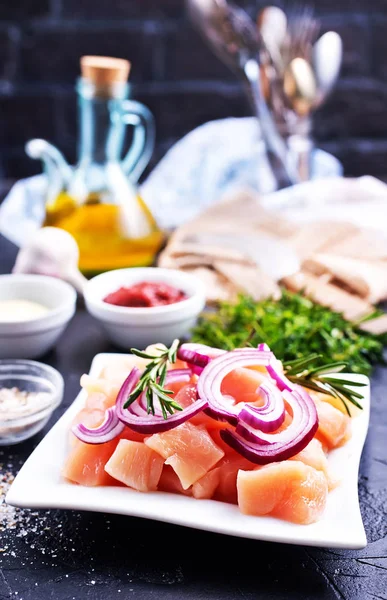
(21, 310)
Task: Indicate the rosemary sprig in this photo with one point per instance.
(304, 372)
(152, 381)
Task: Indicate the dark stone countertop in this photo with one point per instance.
(65, 555)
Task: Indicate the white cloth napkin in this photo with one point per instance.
(361, 201)
(22, 210)
(215, 158)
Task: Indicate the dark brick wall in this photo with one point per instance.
(174, 73)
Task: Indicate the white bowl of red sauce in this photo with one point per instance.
(137, 306)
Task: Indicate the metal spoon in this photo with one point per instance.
(326, 60)
(300, 86)
(302, 32)
(234, 38)
(229, 30)
(300, 90)
(276, 148)
(272, 25)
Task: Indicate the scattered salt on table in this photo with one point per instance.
(19, 522)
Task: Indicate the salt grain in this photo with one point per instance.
(7, 513)
(15, 403)
(17, 522)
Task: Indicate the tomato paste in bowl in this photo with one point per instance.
(137, 305)
(146, 294)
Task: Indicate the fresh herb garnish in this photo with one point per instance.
(294, 327)
(152, 381)
(306, 372)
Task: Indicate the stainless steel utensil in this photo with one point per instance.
(302, 32)
(301, 92)
(276, 148)
(272, 25)
(234, 38)
(300, 86)
(326, 61)
(229, 31)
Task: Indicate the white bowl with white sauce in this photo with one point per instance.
(29, 393)
(34, 312)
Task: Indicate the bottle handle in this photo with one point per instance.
(136, 114)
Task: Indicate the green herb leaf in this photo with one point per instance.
(340, 388)
(152, 380)
(312, 341)
(294, 327)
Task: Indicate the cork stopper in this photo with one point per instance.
(105, 72)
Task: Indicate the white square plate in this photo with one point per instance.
(39, 484)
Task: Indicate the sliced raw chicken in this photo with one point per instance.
(135, 465)
(334, 427)
(85, 463)
(314, 456)
(117, 371)
(243, 385)
(229, 467)
(189, 450)
(90, 417)
(205, 486)
(99, 401)
(288, 490)
(129, 434)
(327, 398)
(102, 387)
(185, 397)
(169, 482)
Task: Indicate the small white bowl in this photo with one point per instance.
(33, 338)
(129, 327)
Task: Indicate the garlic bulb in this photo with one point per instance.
(52, 251)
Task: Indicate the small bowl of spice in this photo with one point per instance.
(29, 393)
(137, 306)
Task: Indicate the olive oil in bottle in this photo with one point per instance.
(98, 201)
(99, 229)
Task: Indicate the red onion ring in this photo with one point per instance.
(140, 406)
(263, 347)
(107, 431)
(176, 375)
(210, 380)
(282, 382)
(262, 448)
(139, 420)
(198, 355)
(268, 417)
